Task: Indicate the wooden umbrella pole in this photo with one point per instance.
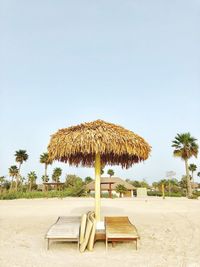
(97, 185)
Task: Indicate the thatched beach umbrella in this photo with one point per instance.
(98, 143)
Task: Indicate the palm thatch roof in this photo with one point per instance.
(114, 182)
(79, 144)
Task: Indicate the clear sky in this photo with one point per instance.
(135, 63)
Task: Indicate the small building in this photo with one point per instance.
(108, 185)
(53, 185)
(141, 192)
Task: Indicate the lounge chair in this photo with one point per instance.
(120, 229)
(74, 229)
(66, 228)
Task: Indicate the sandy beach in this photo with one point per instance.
(169, 230)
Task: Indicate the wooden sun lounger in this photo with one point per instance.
(66, 228)
(120, 229)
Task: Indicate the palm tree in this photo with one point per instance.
(13, 173)
(2, 180)
(192, 168)
(45, 179)
(44, 159)
(110, 172)
(31, 179)
(185, 147)
(121, 189)
(183, 184)
(56, 175)
(20, 156)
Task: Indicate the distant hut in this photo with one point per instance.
(108, 185)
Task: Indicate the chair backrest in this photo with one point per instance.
(117, 220)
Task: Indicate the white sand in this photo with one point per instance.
(169, 230)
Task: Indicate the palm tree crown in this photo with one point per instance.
(56, 174)
(192, 167)
(13, 171)
(110, 172)
(185, 146)
(21, 156)
(32, 177)
(44, 158)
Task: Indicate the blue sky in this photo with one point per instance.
(134, 63)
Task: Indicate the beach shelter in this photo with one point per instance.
(97, 144)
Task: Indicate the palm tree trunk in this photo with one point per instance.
(17, 181)
(30, 186)
(163, 191)
(45, 172)
(189, 188)
(19, 167)
(192, 179)
(17, 176)
(11, 185)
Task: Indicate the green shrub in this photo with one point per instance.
(7, 184)
(76, 191)
(39, 194)
(103, 195)
(172, 194)
(106, 195)
(197, 193)
(193, 197)
(154, 193)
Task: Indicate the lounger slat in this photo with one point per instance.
(66, 229)
(120, 229)
(69, 219)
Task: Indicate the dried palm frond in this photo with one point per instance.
(116, 145)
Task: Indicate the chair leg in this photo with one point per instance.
(113, 244)
(106, 244)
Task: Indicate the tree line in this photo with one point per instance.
(185, 147)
